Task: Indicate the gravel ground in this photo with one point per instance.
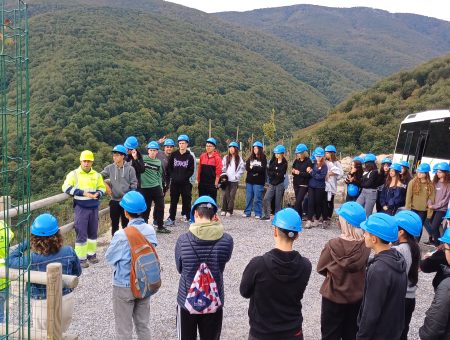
(93, 318)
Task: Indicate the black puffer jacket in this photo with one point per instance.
(437, 320)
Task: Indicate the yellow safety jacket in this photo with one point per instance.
(6, 236)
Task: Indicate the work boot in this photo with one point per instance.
(84, 263)
(92, 258)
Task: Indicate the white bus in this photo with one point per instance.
(424, 137)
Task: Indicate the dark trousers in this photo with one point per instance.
(156, 195)
(209, 325)
(410, 305)
(185, 191)
(328, 207)
(116, 213)
(436, 221)
(338, 321)
(299, 336)
(300, 193)
(207, 190)
(378, 202)
(315, 202)
(229, 195)
(423, 217)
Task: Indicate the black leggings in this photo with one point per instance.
(315, 202)
(300, 193)
(436, 221)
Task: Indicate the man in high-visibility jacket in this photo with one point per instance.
(87, 187)
(6, 235)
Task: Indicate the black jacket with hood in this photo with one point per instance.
(382, 313)
(275, 283)
(436, 325)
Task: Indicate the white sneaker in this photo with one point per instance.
(308, 224)
(315, 223)
(223, 213)
(245, 215)
(228, 214)
(257, 217)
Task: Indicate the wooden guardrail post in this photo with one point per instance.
(54, 301)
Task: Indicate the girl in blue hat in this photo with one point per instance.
(393, 193)
(354, 177)
(441, 183)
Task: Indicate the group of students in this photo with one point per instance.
(392, 187)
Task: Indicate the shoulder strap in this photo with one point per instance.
(198, 258)
(136, 240)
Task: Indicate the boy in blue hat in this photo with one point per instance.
(275, 283)
(382, 313)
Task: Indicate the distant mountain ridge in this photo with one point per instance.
(374, 40)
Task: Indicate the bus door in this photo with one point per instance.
(420, 147)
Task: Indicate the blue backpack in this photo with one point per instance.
(145, 273)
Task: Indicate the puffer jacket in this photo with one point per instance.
(205, 238)
(436, 325)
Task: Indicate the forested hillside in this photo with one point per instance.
(369, 121)
(373, 40)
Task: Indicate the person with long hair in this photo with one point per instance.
(343, 264)
(409, 227)
(354, 178)
(256, 166)
(233, 165)
(393, 194)
(276, 173)
(335, 173)
(46, 246)
(420, 190)
(382, 177)
(316, 189)
(369, 184)
(405, 174)
(300, 177)
(441, 183)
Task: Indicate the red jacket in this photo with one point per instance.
(209, 168)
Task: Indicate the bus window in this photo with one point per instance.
(409, 137)
(437, 145)
(419, 149)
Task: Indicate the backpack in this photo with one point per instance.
(145, 273)
(203, 295)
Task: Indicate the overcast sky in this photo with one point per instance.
(432, 8)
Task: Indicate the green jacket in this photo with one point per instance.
(152, 176)
(6, 236)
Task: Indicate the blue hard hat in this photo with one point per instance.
(370, 157)
(443, 166)
(301, 148)
(279, 149)
(153, 145)
(404, 163)
(397, 167)
(386, 160)
(381, 225)
(409, 221)
(120, 149)
(45, 225)
(169, 142)
(446, 237)
(435, 168)
(330, 148)
(288, 219)
(258, 144)
(353, 213)
(133, 202)
(207, 200)
(424, 168)
(313, 157)
(352, 190)
(234, 144)
(183, 138)
(319, 152)
(212, 141)
(131, 143)
(359, 159)
(447, 214)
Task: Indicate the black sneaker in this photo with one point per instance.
(163, 230)
(84, 263)
(265, 218)
(92, 259)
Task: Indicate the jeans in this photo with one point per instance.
(367, 199)
(278, 192)
(3, 294)
(253, 195)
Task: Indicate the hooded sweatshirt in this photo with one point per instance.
(121, 179)
(382, 313)
(193, 248)
(209, 168)
(180, 167)
(343, 263)
(275, 283)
